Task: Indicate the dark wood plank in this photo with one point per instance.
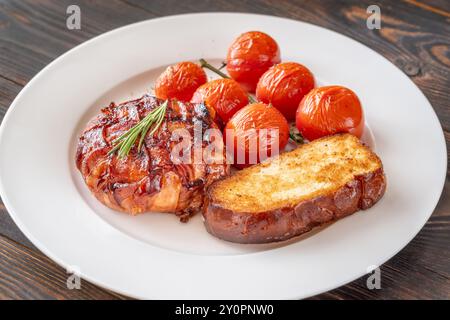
(28, 274)
(33, 33)
(8, 90)
(415, 273)
(24, 27)
(414, 36)
(9, 229)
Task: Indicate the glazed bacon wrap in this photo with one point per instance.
(149, 179)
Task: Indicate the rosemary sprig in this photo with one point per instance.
(205, 64)
(125, 142)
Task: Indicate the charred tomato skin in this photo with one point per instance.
(240, 131)
(222, 97)
(284, 85)
(179, 81)
(249, 56)
(329, 110)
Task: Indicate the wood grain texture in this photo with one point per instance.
(28, 274)
(9, 229)
(415, 36)
(8, 89)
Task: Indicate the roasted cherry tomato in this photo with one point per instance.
(180, 81)
(222, 97)
(249, 56)
(284, 86)
(245, 134)
(329, 110)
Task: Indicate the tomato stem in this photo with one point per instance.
(205, 64)
(251, 99)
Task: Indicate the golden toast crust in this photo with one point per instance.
(317, 183)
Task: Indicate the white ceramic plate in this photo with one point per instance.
(155, 256)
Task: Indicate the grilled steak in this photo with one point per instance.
(149, 179)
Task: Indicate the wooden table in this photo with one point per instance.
(414, 35)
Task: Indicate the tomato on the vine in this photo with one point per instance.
(330, 110)
(249, 56)
(284, 85)
(222, 97)
(180, 81)
(256, 132)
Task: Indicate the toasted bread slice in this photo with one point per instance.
(288, 195)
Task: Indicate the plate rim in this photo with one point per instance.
(15, 217)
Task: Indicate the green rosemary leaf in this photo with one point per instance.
(125, 142)
(128, 143)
